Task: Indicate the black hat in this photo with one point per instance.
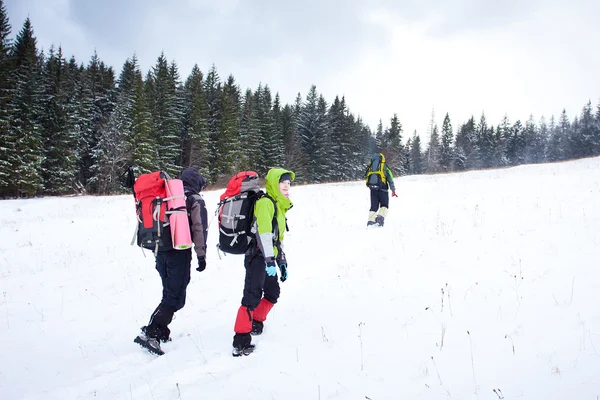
(285, 177)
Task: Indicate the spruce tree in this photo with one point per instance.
(433, 153)
(144, 153)
(196, 123)
(564, 132)
(213, 95)
(553, 146)
(96, 103)
(115, 148)
(166, 110)
(392, 146)
(447, 153)
(466, 151)
(7, 139)
(295, 157)
(322, 157)
(249, 132)
(584, 139)
(60, 129)
(227, 141)
(24, 112)
(416, 155)
(271, 147)
(307, 128)
(540, 142)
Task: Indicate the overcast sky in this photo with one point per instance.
(410, 57)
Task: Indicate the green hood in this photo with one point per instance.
(272, 186)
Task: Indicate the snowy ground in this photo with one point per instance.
(481, 285)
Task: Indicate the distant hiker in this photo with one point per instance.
(264, 255)
(174, 265)
(379, 180)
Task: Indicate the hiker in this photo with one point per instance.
(265, 254)
(379, 180)
(174, 265)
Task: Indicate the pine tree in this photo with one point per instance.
(249, 133)
(393, 148)
(227, 141)
(166, 110)
(113, 152)
(7, 139)
(144, 153)
(553, 146)
(540, 142)
(416, 155)
(196, 123)
(466, 146)
(447, 153)
(295, 157)
(596, 131)
(408, 166)
(322, 159)
(379, 139)
(307, 128)
(360, 145)
(485, 137)
(504, 132)
(433, 154)
(584, 139)
(60, 129)
(564, 133)
(271, 147)
(214, 91)
(96, 103)
(24, 113)
(529, 138)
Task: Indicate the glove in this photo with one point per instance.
(270, 267)
(284, 274)
(394, 194)
(282, 262)
(201, 264)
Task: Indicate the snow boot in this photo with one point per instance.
(242, 344)
(379, 220)
(257, 327)
(163, 333)
(150, 344)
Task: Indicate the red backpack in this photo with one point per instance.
(153, 222)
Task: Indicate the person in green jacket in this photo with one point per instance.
(379, 180)
(261, 287)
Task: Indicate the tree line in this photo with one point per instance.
(68, 127)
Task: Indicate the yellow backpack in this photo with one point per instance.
(376, 172)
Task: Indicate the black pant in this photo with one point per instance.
(258, 282)
(379, 198)
(173, 267)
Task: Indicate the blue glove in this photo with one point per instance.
(270, 267)
(282, 262)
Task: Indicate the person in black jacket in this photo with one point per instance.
(174, 266)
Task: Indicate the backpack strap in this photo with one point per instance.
(274, 223)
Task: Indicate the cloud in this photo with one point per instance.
(407, 57)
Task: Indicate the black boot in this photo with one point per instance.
(379, 220)
(149, 343)
(162, 333)
(257, 327)
(242, 344)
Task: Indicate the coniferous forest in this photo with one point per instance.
(70, 127)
